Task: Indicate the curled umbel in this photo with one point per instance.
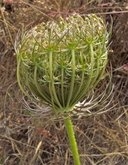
(60, 61)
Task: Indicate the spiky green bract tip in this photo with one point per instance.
(60, 61)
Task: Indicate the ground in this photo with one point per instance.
(31, 138)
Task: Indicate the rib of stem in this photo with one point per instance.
(72, 140)
(54, 96)
(72, 78)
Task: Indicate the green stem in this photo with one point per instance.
(72, 140)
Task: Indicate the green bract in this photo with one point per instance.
(60, 61)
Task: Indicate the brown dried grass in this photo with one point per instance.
(27, 139)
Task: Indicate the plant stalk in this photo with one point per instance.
(72, 140)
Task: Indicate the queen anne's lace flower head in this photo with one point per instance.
(60, 61)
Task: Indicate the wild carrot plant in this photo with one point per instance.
(60, 62)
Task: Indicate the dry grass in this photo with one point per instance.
(26, 138)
